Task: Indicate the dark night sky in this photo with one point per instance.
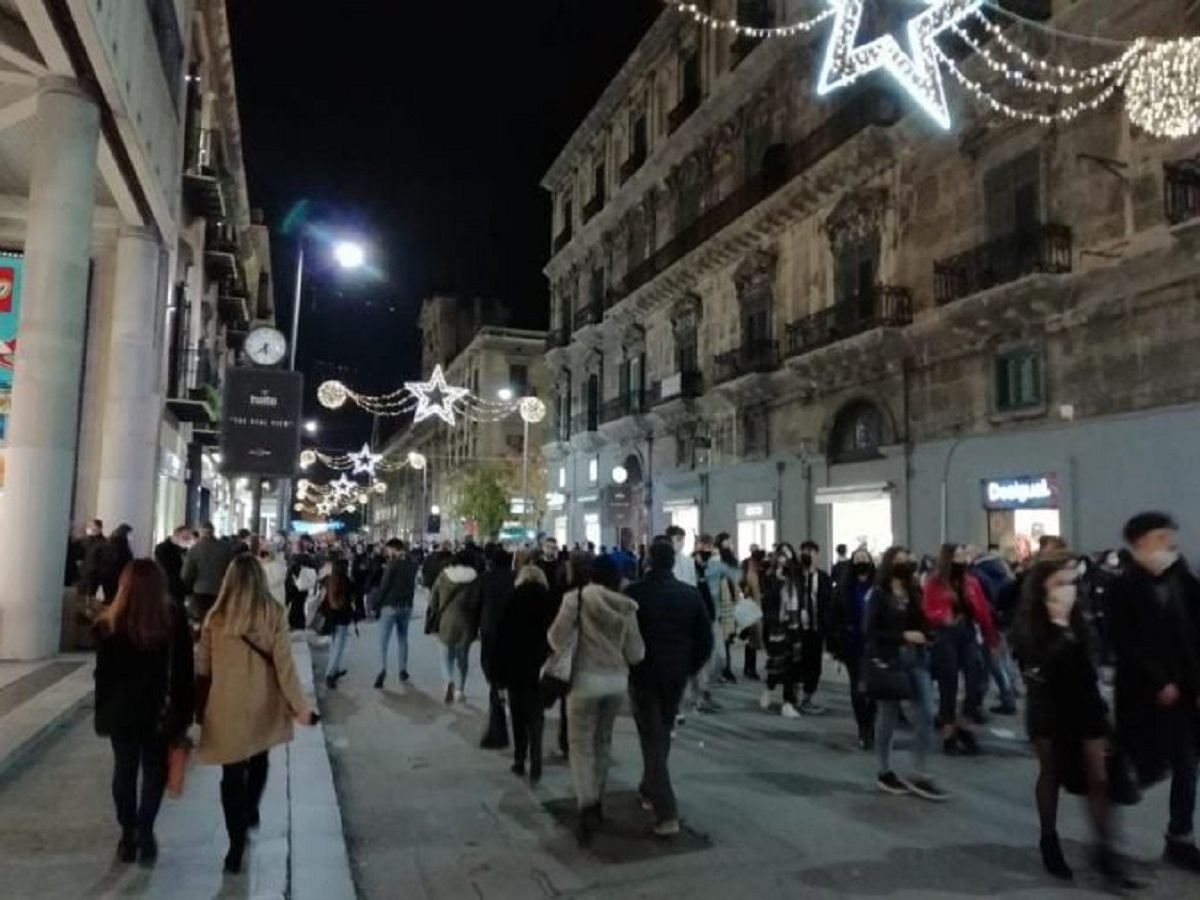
(426, 125)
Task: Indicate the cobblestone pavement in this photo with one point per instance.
(773, 808)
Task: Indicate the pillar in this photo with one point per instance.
(132, 406)
(43, 425)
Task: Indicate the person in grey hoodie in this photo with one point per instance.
(455, 604)
(204, 570)
(608, 643)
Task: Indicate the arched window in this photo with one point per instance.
(857, 434)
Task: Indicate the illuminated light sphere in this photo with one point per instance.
(303, 484)
(532, 410)
(351, 508)
(307, 458)
(364, 498)
(1162, 90)
(298, 507)
(620, 475)
(379, 487)
(332, 394)
(416, 460)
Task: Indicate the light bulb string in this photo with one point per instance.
(717, 23)
(1056, 32)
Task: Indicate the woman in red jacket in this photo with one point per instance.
(957, 609)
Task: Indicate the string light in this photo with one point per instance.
(733, 25)
(1162, 89)
(332, 394)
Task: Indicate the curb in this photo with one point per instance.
(59, 719)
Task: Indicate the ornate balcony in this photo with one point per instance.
(558, 337)
(194, 387)
(757, 356)
(1044, 249)
(686, 385)
(885, 307)
(635, 403)
(1181, 190)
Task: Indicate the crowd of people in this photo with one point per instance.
(923, 641)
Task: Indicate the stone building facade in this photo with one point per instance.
(785, 316)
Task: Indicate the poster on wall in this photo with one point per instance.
(11, 271)
(260, 434)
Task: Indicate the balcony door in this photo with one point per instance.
(1012, 207)
(856, 272)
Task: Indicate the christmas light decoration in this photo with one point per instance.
(343, 487)
(1162, 90)
(332, 394)
(307, 458)
(416, 460)
(916, 70)
(446, 397)
(326, 507)
(532, 409)
(379, 487)
(364, 461)
(718, 24)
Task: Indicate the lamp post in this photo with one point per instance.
(348, 254)
(532, 411)
(417, 461)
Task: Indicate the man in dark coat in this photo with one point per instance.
(397, 591)
(499, 582)
(679, 642)
(816, 597)
(1154, 607)
(169, 556)
(91, 567)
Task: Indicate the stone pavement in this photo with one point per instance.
(58, 834)
(774, 809)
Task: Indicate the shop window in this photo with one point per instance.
(594, 470)
(562, 478)
(857, 433)
(1018, 380)
(518, 380)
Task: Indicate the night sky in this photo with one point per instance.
(425, 126)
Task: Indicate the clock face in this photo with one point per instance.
(266, 346)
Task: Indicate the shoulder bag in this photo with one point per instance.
(888, 679)
(555, 681)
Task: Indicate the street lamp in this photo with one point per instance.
(505, 394)
(532, 411)
(311, 426)
(347, 254)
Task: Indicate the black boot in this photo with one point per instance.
(1053, 860)
(147, 848)
(233, 859)
(127, 847)
(750, 671)
(1112, 867)
(379, 680)
(589, 823)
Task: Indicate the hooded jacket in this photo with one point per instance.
(609, 638)
(456, 602)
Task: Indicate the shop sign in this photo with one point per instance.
(590, 498)
(678, 505)
(750, 512)
(260, 434)
(620, 504)
(1025, 492)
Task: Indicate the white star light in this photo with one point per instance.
(342, 488)
(326, 508)
(916, 69)
(443, 406)
(364, 461)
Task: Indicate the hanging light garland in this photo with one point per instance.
(1162, 89)
(733, 25)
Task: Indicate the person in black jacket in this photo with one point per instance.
(144, 697)
(396, 593)
(1154, 613)
(117, 555)
(91, 566)
(679, 642)
(338, 608)
(499, 581)
(519, 651)
(169, 555)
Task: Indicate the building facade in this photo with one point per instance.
(786, 316)
(102, 262)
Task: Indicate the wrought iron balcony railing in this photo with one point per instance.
(1181, 190)
(1037, 249)
(630, 404)
(753, 356)
(885, 307)
(685, 385)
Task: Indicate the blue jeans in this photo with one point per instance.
(888, 716)
(456, 656)
(396, 617)
(1000, 668)
(337, 646)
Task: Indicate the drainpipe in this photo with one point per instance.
(945, 485)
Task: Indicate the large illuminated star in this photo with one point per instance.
(915, 69)
(342, 488)
(443, 406)
(364, 461)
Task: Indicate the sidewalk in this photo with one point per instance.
(59, 834)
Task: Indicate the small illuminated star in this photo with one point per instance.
(364, 461)
(916, 70)
(326, 508)
(342, 488)
(446, 397)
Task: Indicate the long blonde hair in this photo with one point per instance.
(245, 604)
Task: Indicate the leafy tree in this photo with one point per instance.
(482, 496)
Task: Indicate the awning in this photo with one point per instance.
(856, 493)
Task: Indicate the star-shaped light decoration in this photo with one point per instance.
(326, 507)
(915, 68)
(342, 488)
(446, 397)
(364, 461)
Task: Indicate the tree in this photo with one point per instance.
(482, 497)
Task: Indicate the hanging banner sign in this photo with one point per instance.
(260, 434)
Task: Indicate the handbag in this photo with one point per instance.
(433, 618)
(746, 614)
(884, 680)
(555, 681)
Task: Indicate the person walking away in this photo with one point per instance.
(847, 637)
(520, 651)
(302, 581)
(1066, 717)
(605, 626)
(144, 698)
(994, 577)
(957, 610)
(499, 582)
(840, 570)
(455, 603)
(781, 626)
(245, 650)
(753, 572)
(169, 556)
(337, 606)
(436, 561)
(898, 635)
(397, 591)
(91, 566)
(275, 572)
(678, 643)
(685, 566)
(1154, 612)
(117, 555)
(728, 591)
(815, 598)
(204, 569)
(699, 695)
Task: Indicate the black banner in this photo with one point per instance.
(260, 431)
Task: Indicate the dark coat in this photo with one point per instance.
(117, 555)
(91, 567)
(520, 647)
(888, 618)
(169, 557)
(1063, 702)
(498, 586)
(675, 628)
(399, 583)
(433, 566)
(131, 684)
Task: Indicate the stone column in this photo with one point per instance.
(43, 426)
(132, 407)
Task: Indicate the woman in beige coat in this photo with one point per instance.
(246, 651)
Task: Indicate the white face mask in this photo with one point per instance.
(1161, 560)
(1061, 601)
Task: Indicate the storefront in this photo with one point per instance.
(859, 515)
(756, 526)
(686, 514)
(589, 506)
(1020, 510)
(170, 495)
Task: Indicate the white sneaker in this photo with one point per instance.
(789, 712)
(766, 699)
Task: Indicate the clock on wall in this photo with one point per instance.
(266, 346)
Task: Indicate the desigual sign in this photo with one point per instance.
(1029, 492)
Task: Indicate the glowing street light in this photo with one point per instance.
(349, 255)
(505, 394)
(311, 426)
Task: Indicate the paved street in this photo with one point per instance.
(775, 808)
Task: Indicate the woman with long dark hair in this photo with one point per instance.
(338, 608)
(782, 629)
(1066, 717)
(957, 609)
(144, 697)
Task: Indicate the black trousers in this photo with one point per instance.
(655, 706)
(864, 706)
(242, 787)
(528, 725)
(150, 758)
(812, 647)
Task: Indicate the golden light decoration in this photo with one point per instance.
(532, 409)
(379, 487)
(416, 460)
(1162, 89)
(332, 394)
(298, 507)
(307, 458)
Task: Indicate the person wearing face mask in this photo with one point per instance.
(169, 556)
(724, 583)
(847, 639)
(1066, 717)
(782, 591)
(957, 608)
(816, 596)
(753, 573)
(1154, 620)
